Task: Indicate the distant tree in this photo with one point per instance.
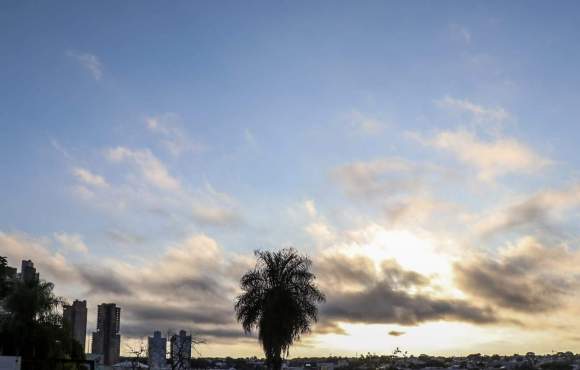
(138, 353)
(280, 300)
(179, 354)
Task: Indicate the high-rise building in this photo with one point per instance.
(181, 350)
(76, 316)
(156, 350)
(106, 340)
(28, 272)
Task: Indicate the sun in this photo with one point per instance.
(414, 252)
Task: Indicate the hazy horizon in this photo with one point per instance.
(423, 154)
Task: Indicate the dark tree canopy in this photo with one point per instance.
(31, 325)
(279, 300)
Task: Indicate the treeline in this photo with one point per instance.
(31, 321)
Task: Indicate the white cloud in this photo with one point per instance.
(492, 158)
(151, 168)
(249, 137)
(310, 207)
(321, 232)
(18, 246)
(150, 189)
(90, 178)
(90, 62)
(170, 127)
(364, 124)
(83, 192)
(56, 145)
(461, 32)
(123, 237)
(215, 215)
(479, 113)
(71, 242)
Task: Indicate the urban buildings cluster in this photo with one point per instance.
(106, 339)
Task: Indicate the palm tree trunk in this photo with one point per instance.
(277, 362)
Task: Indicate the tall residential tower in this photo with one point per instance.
(181, 350)
(156, 351)
(106, 340)
(76, 316)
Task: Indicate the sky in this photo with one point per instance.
(422, 154)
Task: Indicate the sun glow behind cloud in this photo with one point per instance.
(409, 250)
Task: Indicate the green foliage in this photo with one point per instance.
(31, 325)
(5, 284)
(280, 300)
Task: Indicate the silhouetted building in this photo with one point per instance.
(156, 351)
(76, 316)
(106, 340)
(28, 272)
(181, 350)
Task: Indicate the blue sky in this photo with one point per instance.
(132, 132)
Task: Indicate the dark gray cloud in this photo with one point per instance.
(380, 304)
(359, 292)
(395, 333)
(532, 278)
(209, 314)
(338, 270)
(103, 280)
(139, 329)
(537, 214)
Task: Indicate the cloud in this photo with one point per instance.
(212, 207)
(364, 124)
(538, 212)
(461, 33)
(19, 246)
(90, 62)
(320, 231)
(151, 168)
(395, 333)
(364, 283)
(175, 138)
(90, 178)
(102, 279)
(376, 178)
(191, 285)
(150, 189)
(211, 215)
(491, 158)
(478, 113)
(72, 242)
(123, 237)
(249, 137)
(357, 292)
(527, 276)
(310, 208)
(59, 148)
(401, 189)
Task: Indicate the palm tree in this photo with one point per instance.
(280, 300)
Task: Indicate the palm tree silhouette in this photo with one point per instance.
(280, 300)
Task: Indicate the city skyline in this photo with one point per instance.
(423, 154)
